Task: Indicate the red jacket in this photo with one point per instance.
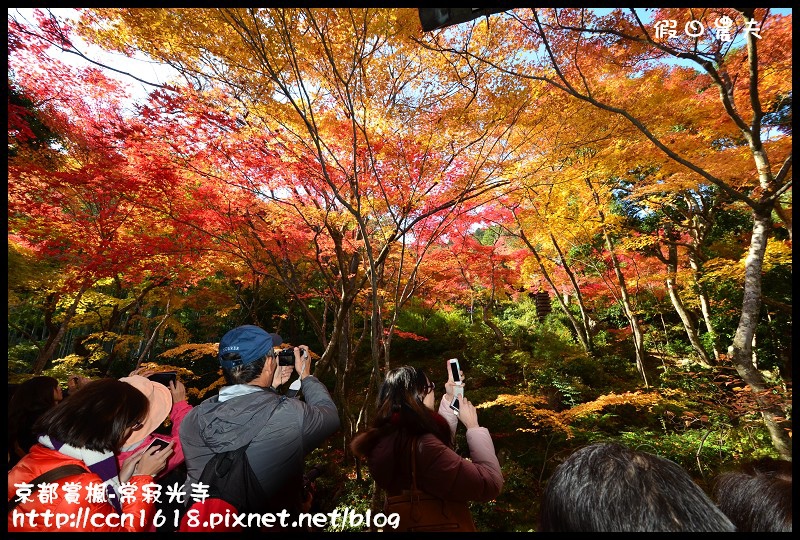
(81, 515)
(440, 470)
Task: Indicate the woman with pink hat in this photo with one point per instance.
(163, 402)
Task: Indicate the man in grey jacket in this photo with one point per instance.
(280, 431)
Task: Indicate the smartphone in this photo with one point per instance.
(458, 389)
(158, 443)
(164, 377)
(455, 369)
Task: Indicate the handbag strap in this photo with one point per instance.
(413, 464)
(47, 478)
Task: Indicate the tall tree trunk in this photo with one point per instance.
(688, 325)
(54, 338)
(705, 305)
(624, 299)
(586, 327)
(740, 351)
(581, 328)
(486, 310)
(701, 217)
(152, 339)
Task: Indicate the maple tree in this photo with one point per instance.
(332, 162)
(82, 207)
(704, 136)
(361, 143)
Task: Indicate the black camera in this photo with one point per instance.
(286, 357)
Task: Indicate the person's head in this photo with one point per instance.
(607, 487)
(405, 404)
(100, 416)
(405, 389)
(245, 352)
(31, 398)
(160, 403)
(758, 496)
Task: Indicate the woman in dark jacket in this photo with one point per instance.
(405, 415)
(31, 400)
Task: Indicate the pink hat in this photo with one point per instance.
(160, 399)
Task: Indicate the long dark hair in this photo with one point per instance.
(400, 408)
(31, 399)
(97, 416)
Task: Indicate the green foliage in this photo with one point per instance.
(774, 331)
(568, 389)
(704, 453)
(487, 236)
(727, 227)
(679, 347)
(356, 496)
(613, 316)
(21, 357)
(446, 332)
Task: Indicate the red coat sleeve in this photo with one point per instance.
(443, 473)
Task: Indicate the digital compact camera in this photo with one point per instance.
(286, 356)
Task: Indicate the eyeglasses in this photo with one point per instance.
(429, 387)
(137, 426)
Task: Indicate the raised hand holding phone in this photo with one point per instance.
(164, 377)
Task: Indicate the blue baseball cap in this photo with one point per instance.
(249, 341)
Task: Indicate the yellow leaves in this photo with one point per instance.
(636, 243)
(191, 352)
(778, 253)
(723, 269)
(531, 408)
(641, 400)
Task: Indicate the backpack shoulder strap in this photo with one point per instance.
(47, 478)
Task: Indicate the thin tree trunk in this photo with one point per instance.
(586, 327)
(638, 338)
(581, 329)
(671, 261)
(705, 306)
(630, 314)
(152, 339)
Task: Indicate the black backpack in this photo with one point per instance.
(230, 477)
(232, 487)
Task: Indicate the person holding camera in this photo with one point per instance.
(410, 444)
(277, 431)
